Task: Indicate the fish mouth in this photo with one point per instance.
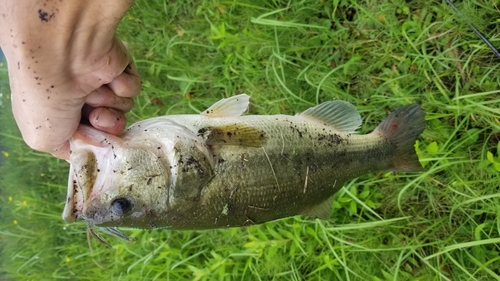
(90, 151)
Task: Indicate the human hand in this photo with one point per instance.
(66, 64)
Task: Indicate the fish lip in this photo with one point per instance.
(69, 215)
(77, 193)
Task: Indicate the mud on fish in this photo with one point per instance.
(223, 169)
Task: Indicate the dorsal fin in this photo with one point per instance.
(230, 107)
(341, 115)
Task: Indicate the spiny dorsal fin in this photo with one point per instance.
(321, 211)
(341, 115)
(234, 134)
(230, 107)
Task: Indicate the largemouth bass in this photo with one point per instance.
(221, 169)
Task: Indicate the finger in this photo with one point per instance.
(105, 97)
(86, 110)
(109, 66)
(131, 68)
(108, 120)
(127, 84)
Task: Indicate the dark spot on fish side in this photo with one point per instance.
(191, 160)
(202, 131)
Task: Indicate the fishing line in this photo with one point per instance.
(478, 33)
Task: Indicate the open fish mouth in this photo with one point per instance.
(73, 210)
(78, 193)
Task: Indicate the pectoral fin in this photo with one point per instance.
(341, 115)
(234, 134)
(230, 107)
(321, 211)
(194, 171)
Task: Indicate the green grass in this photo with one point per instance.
(441, 224)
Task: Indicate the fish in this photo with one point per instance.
(221, 169)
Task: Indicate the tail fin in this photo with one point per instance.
(402, 128)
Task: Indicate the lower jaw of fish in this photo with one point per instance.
(74, 200)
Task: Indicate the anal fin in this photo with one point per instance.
(321, 211)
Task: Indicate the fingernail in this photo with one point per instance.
(95, 98)
(106, 118)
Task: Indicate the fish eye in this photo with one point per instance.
(121, 206)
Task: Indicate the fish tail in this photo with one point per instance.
(402, 128)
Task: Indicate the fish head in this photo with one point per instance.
(114, 181)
